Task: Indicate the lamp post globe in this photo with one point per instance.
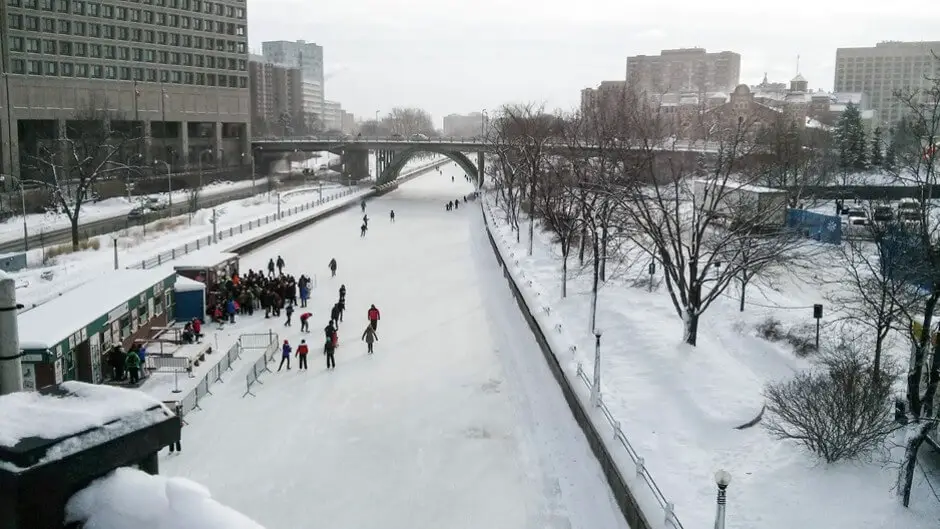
(722, 478)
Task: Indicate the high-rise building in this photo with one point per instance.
(881, 70)
(277, 102)
(463, 125)
(605, 98)
(176, 73)
(313, 101)
(685, 69)
(307, 56)
(349, 122)
(332, 115)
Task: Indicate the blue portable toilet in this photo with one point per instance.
(190, 299)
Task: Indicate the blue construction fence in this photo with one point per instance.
(816, 226)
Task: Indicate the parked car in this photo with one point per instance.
(137, 213)
(155, 204)
(882, 214)
(397, 136)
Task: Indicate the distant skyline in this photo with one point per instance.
(462, 56)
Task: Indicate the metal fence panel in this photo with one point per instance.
(257, 340)
(816, 226)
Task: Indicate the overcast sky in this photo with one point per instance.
(460, 56)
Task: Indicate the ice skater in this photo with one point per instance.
(369, 335)
(302, 351)
(333, 267)
(391, 215)
(285, 355)
(289, 310)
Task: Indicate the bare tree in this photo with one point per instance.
(793, 157)
(916, 163)
(691, 225)
(557, 207)
(839, 411)
(506, 176)
(90, 150)
(755, 252)
(408, 121)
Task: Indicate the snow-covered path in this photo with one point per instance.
(454, 422)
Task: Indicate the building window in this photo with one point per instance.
(94, 30)
(18, 66)
(149, 36)
(109, 52)
(94, 50)
(161, 37)
(29, 4)
(65, 47)
(48, 25)
(63, 6)
(176, 77)
(162, 57)
(174, 39)
(136, 35)
(78, 7)
(120, 13)
(49, 47)
(14, 3)
(164, 76)
(138, 54)
(200, 79)
(107, 31)
(16, 21)
(81, 70)
(110, 72)
(97, 71)
(93, 9)
(138, 74)
(78, 28)
(135, 15)
(148, 17)
(34, 67)
(80, 49)
(223, 80)
(184, 22)
(123, 33)
(124, 53)
(51, 68)
(33, 45)
(188, 77)
(45, 5)
(65, 27)
(151, 75)
(161, 19)
(197, 24)
(66, 69)
(243, 82)
(150, 55)
(107, 11)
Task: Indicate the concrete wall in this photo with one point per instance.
(624, 498)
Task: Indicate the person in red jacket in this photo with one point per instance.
(301, 354)
(374, 317)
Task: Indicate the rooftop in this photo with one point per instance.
(50, 323)
(209, 257)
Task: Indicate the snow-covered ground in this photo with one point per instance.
(455, 421)
(677, 405)
(71, 270)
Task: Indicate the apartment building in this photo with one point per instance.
(881, 70)
(685, 69)
(349, 122)
(463, 125)
(173, 71)
(313, 99)
(332, 115)
(277, 99)
(307, 56)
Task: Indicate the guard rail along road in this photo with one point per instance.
(338, 203)
(642, 502)
(95, 228)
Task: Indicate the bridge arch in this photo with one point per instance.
(394, 168)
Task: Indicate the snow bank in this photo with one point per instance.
(131, 498)
(4, 275)
(30, 414)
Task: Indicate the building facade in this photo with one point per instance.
(313, 102)
(349, 122)
(276, 99)
(307, 56)
(332, 115)
(175, 74)
(881, 70)
(684, 69)
(463, 125)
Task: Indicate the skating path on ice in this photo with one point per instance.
(454, 423)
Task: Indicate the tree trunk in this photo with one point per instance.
(691, 327)
(879, 345)
(532, 214)
(565, 250)
(595, 283)
(581, 245)
(743, 290)
(604, 240)
(74, 222)
(906, 472)
(921, 348)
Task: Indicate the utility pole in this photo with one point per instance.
(11, 368)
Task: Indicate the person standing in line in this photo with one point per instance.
(285, 355)
(304, 294)
(333, 267)
(302, 351)
(271, 268)
(341, 307)
(374, 317)
(342, 293)
(370, 336)
(289, 310)
(334, 316)
(280, 265)
(329, 349)
(133, 365)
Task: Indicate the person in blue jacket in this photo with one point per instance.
(230, 310)
(285, 355)
(304, 294)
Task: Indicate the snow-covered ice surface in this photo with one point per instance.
(455, 421)
(29, 414)
(677, 404)
(130, 498)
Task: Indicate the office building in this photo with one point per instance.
(174, 73)
(313, 99)
(607, 98)
(349, 122)
(307, 56)
(881, 70)
(332, 115)
(463, 125)
(276, 99)
(685, 69)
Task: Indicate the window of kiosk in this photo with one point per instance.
(158, 304)
(125, 326)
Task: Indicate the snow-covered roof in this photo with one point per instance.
(26, 414)
(156, 502)
(798, 79)
(815, 124)
(54, 321)
(203, 258)
(185, 284)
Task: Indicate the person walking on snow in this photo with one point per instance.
(289, 310)
(335, 315)
(391, 215)
(285, 355)
(370, 336)
(302, 351)
(305, 322)
(280, 265)
(374, 317)
(333, 267)
(271, 268)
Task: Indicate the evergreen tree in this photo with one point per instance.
(850, 136)
(876, 158)
(890, 162)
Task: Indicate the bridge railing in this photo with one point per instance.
(667, 145)
(367, 139)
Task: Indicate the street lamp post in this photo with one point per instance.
(596, 386)
(722, 479)
(23, 205)
(376, 123)
(169, 183)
